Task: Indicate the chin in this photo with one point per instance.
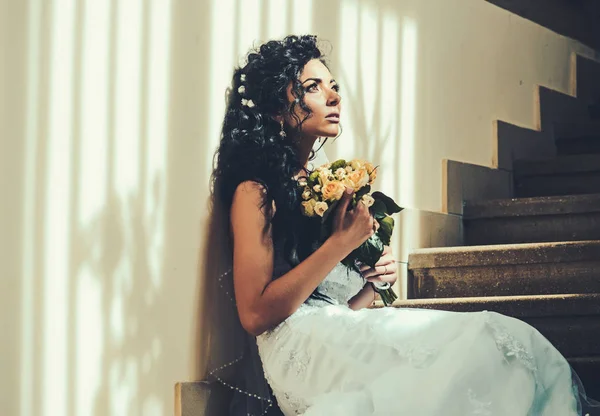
(330, 133)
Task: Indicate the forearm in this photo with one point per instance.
(284, 295)
(363, 299)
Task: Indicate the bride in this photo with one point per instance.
(309, 339)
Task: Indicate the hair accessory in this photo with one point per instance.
(247, 103)
(282, 132)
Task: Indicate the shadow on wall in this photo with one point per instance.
(577, 19)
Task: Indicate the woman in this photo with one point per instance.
(321, 350)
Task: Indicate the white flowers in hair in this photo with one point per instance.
(247, 103)
(242, 90)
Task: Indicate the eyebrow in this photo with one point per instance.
(318, 80)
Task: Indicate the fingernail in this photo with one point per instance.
(349, 190)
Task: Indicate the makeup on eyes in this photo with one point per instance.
(335, 87)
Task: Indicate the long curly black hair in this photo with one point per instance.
(251, 147)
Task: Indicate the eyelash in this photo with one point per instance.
(336, 87)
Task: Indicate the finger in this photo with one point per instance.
(388, 278)
(346, 198)
(387, 250)
(380, 270)
(385, 260)
(376, 225)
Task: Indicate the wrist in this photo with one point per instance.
(372, 290)
(336, 244)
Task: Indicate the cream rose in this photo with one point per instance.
(349, 169)
(368, 200)
(340, 173)
(324, 176)
(371, 171)
(306, 195)
(356, 164)
(320, 208)
(348, 183)
(317, 188)
(309, 207)
(360, 178)
(333, 190)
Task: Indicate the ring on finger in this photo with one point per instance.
(385, 270)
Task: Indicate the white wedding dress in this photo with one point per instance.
(329, 360)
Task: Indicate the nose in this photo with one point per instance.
(334, 98)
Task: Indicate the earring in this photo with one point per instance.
(282, 132)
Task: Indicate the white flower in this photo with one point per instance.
(317, 188)
(325, 176)
(243, 77)
(302, 182)
(247, 103)
(320, 208)
(349, 169)
(242, 89)
(368, 200)
(309, 207)
(306, 195)
(340, 173)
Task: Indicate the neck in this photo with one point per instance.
(305, 145)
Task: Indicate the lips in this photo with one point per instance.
(333, 117)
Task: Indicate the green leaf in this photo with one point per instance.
(391, 206)
(312, 179)
(362, 191)
(385, 230)
(340, 163)
(370, 251)
(378, 209)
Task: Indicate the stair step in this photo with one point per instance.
(512, 142)
(529, 220)
(505, 270)
(556, 107)
(586, 78)
(564, 175)
(577, 138)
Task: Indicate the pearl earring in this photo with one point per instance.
(282, 132)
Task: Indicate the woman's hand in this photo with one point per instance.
(385, 270)
(352, 227)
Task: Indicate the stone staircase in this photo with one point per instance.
(535, 254)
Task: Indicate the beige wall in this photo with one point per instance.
(112, 115)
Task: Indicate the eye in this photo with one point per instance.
(312, 87)
(336, 88)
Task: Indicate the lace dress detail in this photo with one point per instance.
(508, 344)
(327, 359)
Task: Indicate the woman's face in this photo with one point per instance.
(321, 96)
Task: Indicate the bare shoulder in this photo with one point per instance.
(247, 196)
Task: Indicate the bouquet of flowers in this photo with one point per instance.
(322, 192)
